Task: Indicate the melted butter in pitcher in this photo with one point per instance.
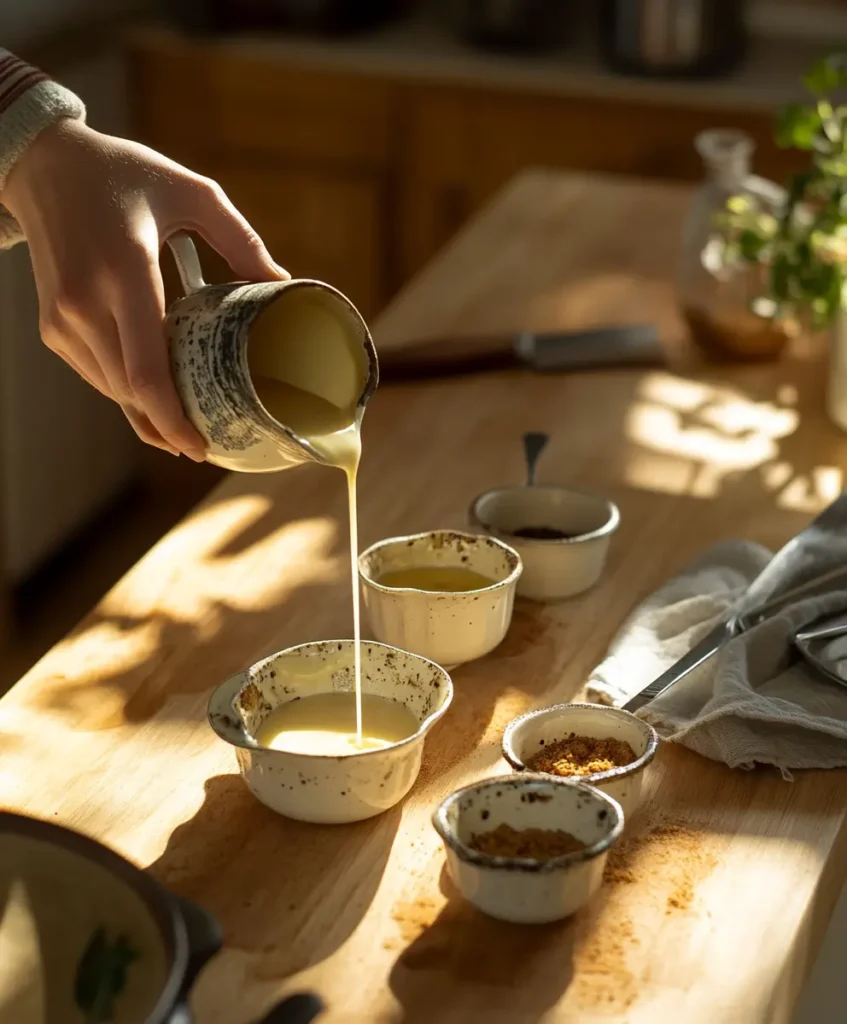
(326, 724)
(309, 368)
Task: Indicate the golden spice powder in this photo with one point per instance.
(531, 843)
(581, 755)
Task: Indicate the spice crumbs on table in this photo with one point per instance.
(581, 755)
(531, 843)
(655, 872)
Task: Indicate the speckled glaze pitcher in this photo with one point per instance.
(208, 332)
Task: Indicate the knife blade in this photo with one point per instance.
(800, 568)
(544, 352)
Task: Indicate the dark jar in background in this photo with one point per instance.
(318, 17)
(509, 25)
(673, 38)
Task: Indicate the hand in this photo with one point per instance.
(96, 211)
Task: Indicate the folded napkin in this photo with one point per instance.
(751, 703)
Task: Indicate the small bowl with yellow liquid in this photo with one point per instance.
(445, 595)
(309, 749)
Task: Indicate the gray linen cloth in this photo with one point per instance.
(751, 703)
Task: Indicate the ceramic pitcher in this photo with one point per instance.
(208, 331)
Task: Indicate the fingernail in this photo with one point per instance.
(197, 454)
(283, 273)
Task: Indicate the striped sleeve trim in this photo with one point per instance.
(29, 103)
(15, 78)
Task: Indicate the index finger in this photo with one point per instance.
(140, 314)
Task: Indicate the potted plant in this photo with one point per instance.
(798, 243)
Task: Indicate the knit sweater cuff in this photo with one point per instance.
(10, 230)
(29, 103)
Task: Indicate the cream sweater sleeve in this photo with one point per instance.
(29, 103)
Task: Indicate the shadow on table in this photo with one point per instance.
(466, 964)
(270, 881)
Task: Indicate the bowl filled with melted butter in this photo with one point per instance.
(446, 595)
(313, 745)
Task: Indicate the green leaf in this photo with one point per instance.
(751, 245)
(101, 975)
(739, 204)
(797, 127)
(827, 74)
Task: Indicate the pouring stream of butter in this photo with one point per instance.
(309, 368)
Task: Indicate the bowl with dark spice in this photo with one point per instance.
(604, 747)
(562, 535)
(528, 849)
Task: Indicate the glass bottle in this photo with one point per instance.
(718, 296)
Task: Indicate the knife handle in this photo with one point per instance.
(445, 357)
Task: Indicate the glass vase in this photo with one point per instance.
(718, 294)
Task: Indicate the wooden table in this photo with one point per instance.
(716, 921)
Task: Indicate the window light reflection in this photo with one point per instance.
(690, 437)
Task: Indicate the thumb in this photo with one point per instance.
(218, 222)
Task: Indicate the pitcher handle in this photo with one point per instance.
(187, 262)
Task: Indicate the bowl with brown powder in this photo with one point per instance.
(601, 746)
(528, 849)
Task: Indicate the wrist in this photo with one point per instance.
(25, 116)
(46, 152)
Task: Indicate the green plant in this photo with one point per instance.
(101, 975)
(803, 242)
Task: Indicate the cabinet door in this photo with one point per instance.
(304, 154)
(316, 224)
(462, 145)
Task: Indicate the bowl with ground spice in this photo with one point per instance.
(528, 849)
(604, 747)
(562, 535)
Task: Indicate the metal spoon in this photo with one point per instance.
(533, 446)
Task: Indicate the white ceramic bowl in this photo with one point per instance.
(528, 734)
(553, 568)
(324, 788)
(512, 888)
(448, 628)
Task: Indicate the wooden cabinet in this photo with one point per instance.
(306, 157)
(359, 178)
(464, 145)
(316, 224)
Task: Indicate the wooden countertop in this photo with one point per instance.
(714, 919)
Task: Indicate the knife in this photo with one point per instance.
(632, 345)
(800, 568)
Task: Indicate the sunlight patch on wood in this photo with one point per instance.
(692, 438)
(190, 571)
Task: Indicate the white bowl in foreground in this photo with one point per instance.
(528, 734)
(330, 789)
(515, 888)
(447, 627)
(555, 567)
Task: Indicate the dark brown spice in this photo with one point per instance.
(531, 843)
(581, 755)
(542, 533)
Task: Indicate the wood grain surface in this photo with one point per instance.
(714, 907)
